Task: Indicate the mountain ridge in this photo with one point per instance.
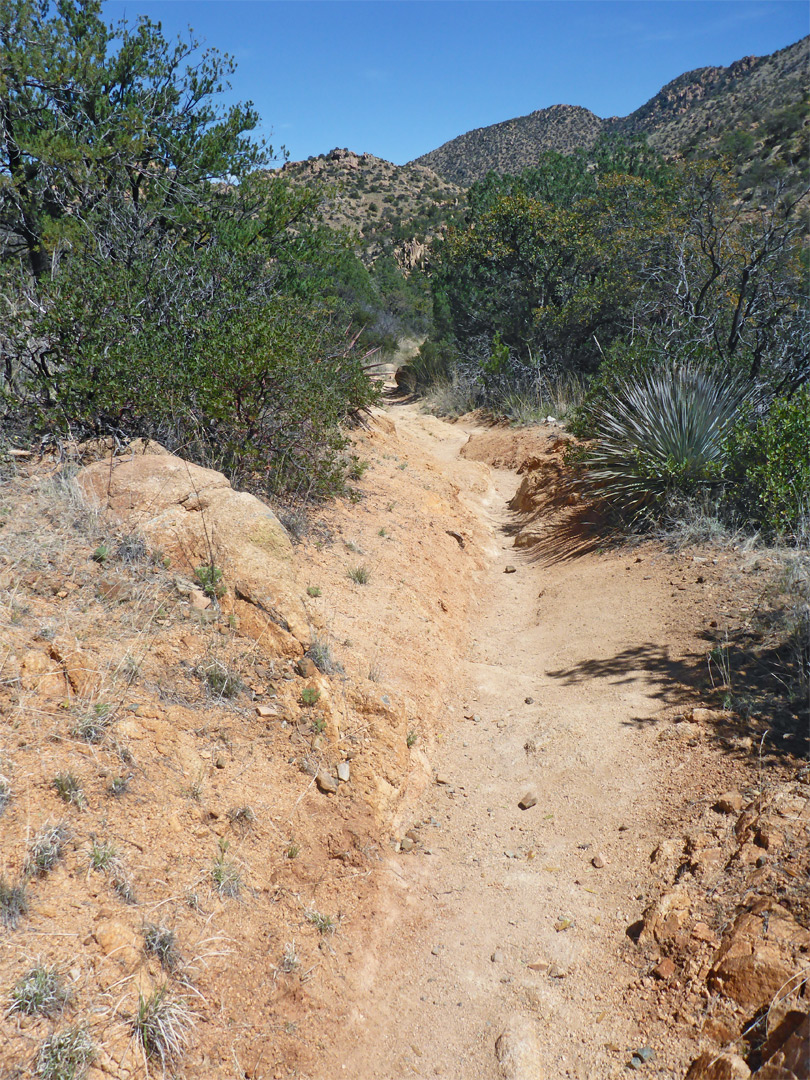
(697, 106)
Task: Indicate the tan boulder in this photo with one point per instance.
(194, 515)
(758, 956)
(712, 1065)
(666, 918)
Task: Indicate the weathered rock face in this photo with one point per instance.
(759, 956)
(718, 1066)
(194, 515)
(410, 254)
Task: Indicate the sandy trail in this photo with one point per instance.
(507, 917)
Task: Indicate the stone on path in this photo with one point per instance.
(326, 783)
(528, 800)
(518, 1051)
(729, 803)
(718, 1066)
(343, 772)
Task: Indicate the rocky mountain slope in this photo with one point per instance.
(694, 110)
(394, 209)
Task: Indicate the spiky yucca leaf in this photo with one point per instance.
(660, 432)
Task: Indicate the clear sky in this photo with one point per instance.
(397, 79)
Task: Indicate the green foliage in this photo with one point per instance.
(93, 725)
(772, 457)
(65, 1055)
(589, 261)
(361, 575)
(45, 850)
(41, 991)
(146, 296)
(310, 695)
(162, 1025)
(220, 679)
(659, 434)
(161, 941)
(13, 902)
(320, 653)
(67, 787)
(103, 855)
(209, 578)
(225, 873)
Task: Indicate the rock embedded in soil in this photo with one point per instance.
(343, 772)
(665, 970)
(510, 570)
(712, 1065)
(306, 668)
(198, 600)
(729, 803)
(599, 861)
(529, 799)
(518, 1051)
(326, 783)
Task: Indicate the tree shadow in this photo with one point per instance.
(753, 717)
(665, 678)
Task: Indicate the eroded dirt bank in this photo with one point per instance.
(502, 942)
(312, 781)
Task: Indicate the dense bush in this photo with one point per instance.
(145, 295)
(771, 456)
(659, 434)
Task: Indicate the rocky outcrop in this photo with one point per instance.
(196, 518)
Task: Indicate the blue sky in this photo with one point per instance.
(397, 79)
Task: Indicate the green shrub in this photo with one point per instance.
(40, 991)
(772, 458)
(661, 433)
(209, 578)
(65, 1055)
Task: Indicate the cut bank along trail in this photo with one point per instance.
(510, 921)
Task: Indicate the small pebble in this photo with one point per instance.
(599, 861)
(529, 700)
(510, 570)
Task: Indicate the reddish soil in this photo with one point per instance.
(398, 928)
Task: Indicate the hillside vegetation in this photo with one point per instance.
(647, 287)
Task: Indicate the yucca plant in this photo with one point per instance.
(661, 432)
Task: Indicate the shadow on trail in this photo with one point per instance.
(561, 539)
(650, 665)
(746, 721)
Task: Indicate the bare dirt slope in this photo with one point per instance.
(504, 938)
(501, 911)
(311, 783)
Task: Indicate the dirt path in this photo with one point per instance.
(500, 918)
